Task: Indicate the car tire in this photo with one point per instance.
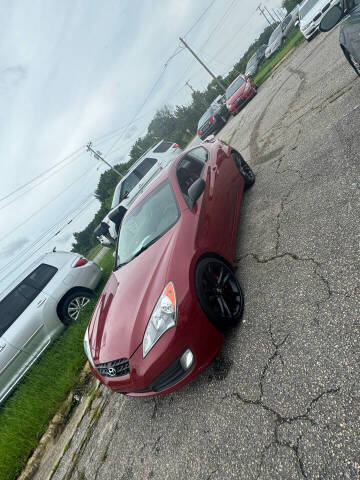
(72, 304)
(219, 293)
(355, 65)
(244, 169)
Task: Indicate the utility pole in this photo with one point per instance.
(263, 13)
(203, 64)
(274, 20)
(191, 88)
(98, 156)
(276, 14)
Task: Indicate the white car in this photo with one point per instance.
(310, 15)
(36, 308)
(140, 175)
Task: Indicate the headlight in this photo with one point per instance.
(162, 318)
(87, 349)
(305, 27)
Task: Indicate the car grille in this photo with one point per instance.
(167, 378)
(325, 8)
(240, 102)
(116, 368)
(317, 17)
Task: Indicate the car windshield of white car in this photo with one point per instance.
(235, 86)
(149, 221)
(305, 9)
(276, 33)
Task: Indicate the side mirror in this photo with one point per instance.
(333, 17)
(195, 191)
(101, 229)
(117, 215)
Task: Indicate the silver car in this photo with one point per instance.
(280, 34)
(140, 175)
(36, 308)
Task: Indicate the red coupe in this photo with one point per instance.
(239, 92)
(160, 318)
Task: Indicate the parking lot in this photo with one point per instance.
(282, 400)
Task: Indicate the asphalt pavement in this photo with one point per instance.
(282, 400)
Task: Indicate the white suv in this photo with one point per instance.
(311, 13)
(37, 306)
(140, 175)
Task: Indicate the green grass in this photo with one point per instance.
(268, 66)
(26, 414)
(94, 251)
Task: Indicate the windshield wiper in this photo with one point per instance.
(138, 252)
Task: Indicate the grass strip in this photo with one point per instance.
(94, 251)
(268, 66)
(27, 412)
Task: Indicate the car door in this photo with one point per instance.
(225, 186)
(12, 364)
(30, 332)
(351, 29)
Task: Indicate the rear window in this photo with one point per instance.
(163, 147)
(41, 276)
(209, 113)
(16, 302)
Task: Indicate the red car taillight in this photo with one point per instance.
(175, 145)
(212, 119)
(199, 132)
(80, 262)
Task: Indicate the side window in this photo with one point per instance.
(190, 168)
(200, 154)
(127, 185)
(146, 165)
(40, 277)
(13, 305)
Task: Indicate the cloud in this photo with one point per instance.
(10, 77)
(11, 248)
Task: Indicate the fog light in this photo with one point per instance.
(187, 359)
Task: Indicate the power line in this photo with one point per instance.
(46, 204)
(43, 244)
(88, 200)
(73, 154)
(200, 18)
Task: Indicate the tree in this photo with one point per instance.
(290, 4)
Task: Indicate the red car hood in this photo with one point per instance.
(237, 94)
(122, 313)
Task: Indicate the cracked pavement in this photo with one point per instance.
(282, 399)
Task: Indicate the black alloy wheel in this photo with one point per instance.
(244, 169)
(353, 62)
(219, 293)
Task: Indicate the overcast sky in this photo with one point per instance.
(74, 70)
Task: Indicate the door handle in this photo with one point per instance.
(41, 302)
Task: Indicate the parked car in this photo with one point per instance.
(239, 92)
(252, 65)
(213, 120)
(349, 30)
(174, 260)
(310, 15)
(36, 308)
(280, 35)
(261, 53)
(140, 175)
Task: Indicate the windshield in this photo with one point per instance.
(252, 61)
(154, 216)
(275, 34)
(305, 9)
(239, 82)
(209, 113)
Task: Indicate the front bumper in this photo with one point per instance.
(159, 372)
